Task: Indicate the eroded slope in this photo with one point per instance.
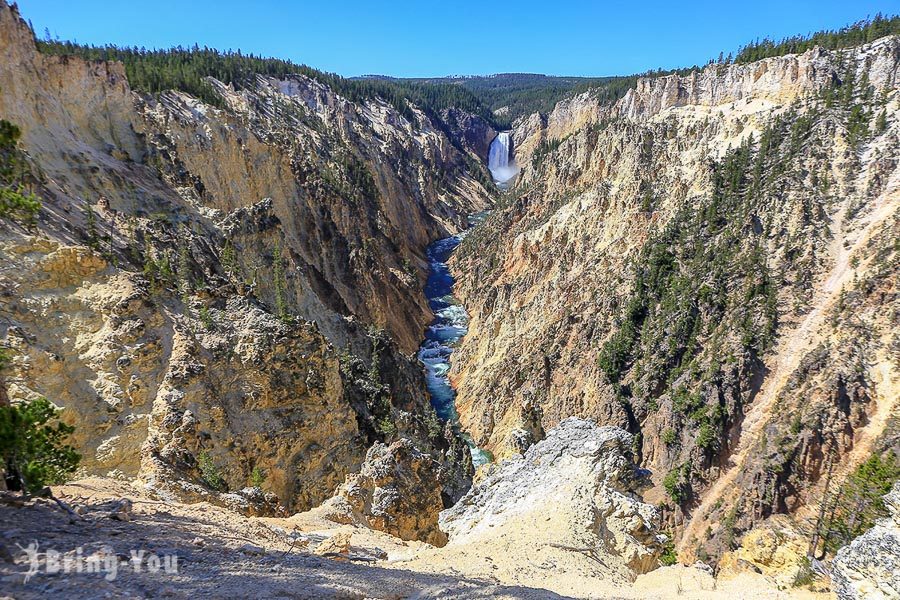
(710, 263)
(212, 291)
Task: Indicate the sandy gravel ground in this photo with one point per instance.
(221, 554)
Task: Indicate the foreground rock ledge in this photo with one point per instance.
(572, 493)
(869, 567)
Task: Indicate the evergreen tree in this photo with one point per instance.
(853, 35)
(16, 201)
(859, 501)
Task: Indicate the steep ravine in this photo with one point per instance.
(707, 263)
(223, 290)
(444, 333)
(674, 331)
(450, 317)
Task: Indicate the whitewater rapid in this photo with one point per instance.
(449, 326)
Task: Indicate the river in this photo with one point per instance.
(448, 328)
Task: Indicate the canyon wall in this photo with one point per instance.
(711, 264)
(209, 292)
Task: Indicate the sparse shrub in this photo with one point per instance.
(409, 270)
(647, 202)
(157, 271)
(210, 473)
(859, 501)
(434, 426)
(90, 219)
(669, 556)
(677, 483)
(386, 426)
(881, 122)
(257, 477)
(857, 125)
(671, 485)
(229, 260)
(16, 202)
(615, 352)
(729, 523)
(165, 268)
(206, 318)
(805, 576)
(706, 437)
(669, 436)
(19, 205)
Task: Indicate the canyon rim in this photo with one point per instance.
(269, 331)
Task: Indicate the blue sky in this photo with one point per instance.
(428, 38)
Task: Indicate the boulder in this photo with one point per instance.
(397, 490)
(775, 548)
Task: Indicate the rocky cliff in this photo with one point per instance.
(561, 522)
(578, 488)
(710, 264)
(869, 567)
(393, 492)
(210, 292)
(565, 517)
(684, 314)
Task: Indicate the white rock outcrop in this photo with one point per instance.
(869, 566)
(572, 492)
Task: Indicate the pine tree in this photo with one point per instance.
(16, 202)
(881, 122)
(859, 501)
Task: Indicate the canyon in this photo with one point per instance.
(743, 399)
(324, 346)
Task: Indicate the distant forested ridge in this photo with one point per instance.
(860, 33)
(512, 95)
(500, 99)
(184, 69)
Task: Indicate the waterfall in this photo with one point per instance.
(499, 154)
(500, 161)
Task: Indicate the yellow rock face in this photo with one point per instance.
(71, 266)
(547, 281)
(775, 548)
(161, 343)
